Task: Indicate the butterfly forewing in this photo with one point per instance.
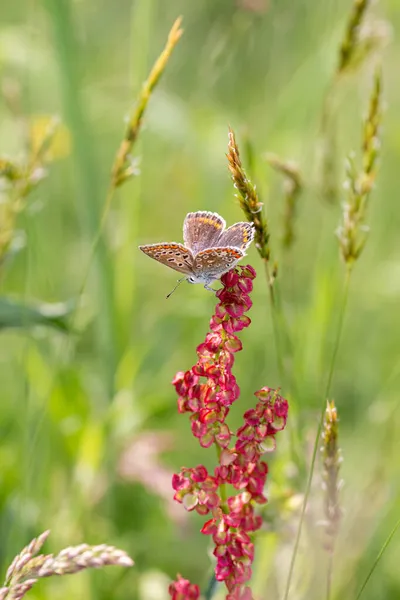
(214, 262)
(202, 230)
(239, 235)
(172, 255)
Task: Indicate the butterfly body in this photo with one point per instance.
(209, 250)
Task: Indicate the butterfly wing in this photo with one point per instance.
(239, 235)
(175, 256)
(202, 230)
(212, 263)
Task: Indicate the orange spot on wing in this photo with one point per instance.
(210, 221)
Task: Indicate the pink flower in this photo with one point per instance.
(182, 589)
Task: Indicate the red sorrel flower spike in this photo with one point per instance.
(207, 391)
(210, 380)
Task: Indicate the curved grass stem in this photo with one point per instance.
(378, 558)
(275, 324)
(319, 429)
(123, 167)
(96, 240)
(329, 574)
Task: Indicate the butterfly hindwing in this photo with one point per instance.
(239, 235)
(202, 230)
(175, 256)
(214, 262)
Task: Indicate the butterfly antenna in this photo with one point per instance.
(177, 285)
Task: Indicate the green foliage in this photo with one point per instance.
(22, 315)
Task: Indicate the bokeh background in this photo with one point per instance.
(90, 433)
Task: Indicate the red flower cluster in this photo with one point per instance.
(209, 401)
(196, 489)
(243, 468)
(207, 391)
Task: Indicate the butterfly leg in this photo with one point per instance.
(210, 289)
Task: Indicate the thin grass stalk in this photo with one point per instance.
(275, 326)
(328, 146)
(351, 37)
(378, 558)
(124, 166)
(364, 37)
(331, 461)
(359, 41)
(253, 209)
(22, 179)
(248, 198)
(351, 242)
(292, 188)
(352, 233)
(60, 13)
(339, 332)
(329, 576)
(130, 196)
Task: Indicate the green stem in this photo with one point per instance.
(319, 429)
(329, 576)
(378, 558)
(274, 315)
(223, 495)
(96, 241)
(212, 583)
(141, 20)
(222, 486)
(337, 340)
(60, 13)
(211, 587)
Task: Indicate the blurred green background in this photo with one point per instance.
(89, 430)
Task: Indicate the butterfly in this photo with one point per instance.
(209, 250)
